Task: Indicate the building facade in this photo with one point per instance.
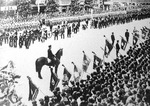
(108, 4)
(64, 5)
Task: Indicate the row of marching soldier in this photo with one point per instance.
(46, 29)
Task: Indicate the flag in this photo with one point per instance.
(97, 62)
(53, 81)
(145, 33)
(66, 74)
(76, 79)
(123, 43)
(86, 62)
(105, 53)
(135, 38)
(76, 68)
(108, 46)
(77, 74)
(33, 90)
(3, 67)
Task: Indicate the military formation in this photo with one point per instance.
(19, 37)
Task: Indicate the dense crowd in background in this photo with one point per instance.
(18, 35)
(122, 82)
(125, 81)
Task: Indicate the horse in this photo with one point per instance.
(41, 61)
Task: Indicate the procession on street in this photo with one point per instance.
(74, 54)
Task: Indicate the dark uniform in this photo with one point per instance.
(69, 31)
(20, 41)
(56, 32)
(51, 26)
(50, 55)
(62, 31)
(113, 38)
(117, 48)
(15, 40)
(11, 41)
(87, 22)
(73, 27)
(127, 35)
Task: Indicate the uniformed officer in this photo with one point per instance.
(117, 48)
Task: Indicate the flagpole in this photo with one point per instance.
(63, 65)
(112, 45)
(127, 42)
(102, 60)
(42, 92)
(77, 69)
(73, 70)
(86, 71)
(104, 57)
(137, 37)
(82, 68)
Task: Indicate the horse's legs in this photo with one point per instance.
(56, 68)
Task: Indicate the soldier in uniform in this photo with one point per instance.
(51, 26)
(73, 27)
(15, 39)
(127, 35)
(76, 28)
(69, 31)
(117, 48)
(11, 40)
(56, 32)
(112, 38)
(20, 41)
(87, 22)
(6, 37)
(51, 56)
(62, 32)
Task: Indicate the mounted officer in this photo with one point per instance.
(51, 56)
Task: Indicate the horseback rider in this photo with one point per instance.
(51, 56)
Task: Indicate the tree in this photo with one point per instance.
(51, 7)
(74, 6)
(24, 8)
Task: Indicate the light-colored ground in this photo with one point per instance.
(88, 40)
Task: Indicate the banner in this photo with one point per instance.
(123, 43)
(97, 62)
(77, 73)
(53, 81)
(67, 75)
(33, 90)
(135, 38)
(108, 48)
(86, 62)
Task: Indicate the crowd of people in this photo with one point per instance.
(24, 35)
(125, 81)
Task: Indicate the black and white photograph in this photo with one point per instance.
(74, 52)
